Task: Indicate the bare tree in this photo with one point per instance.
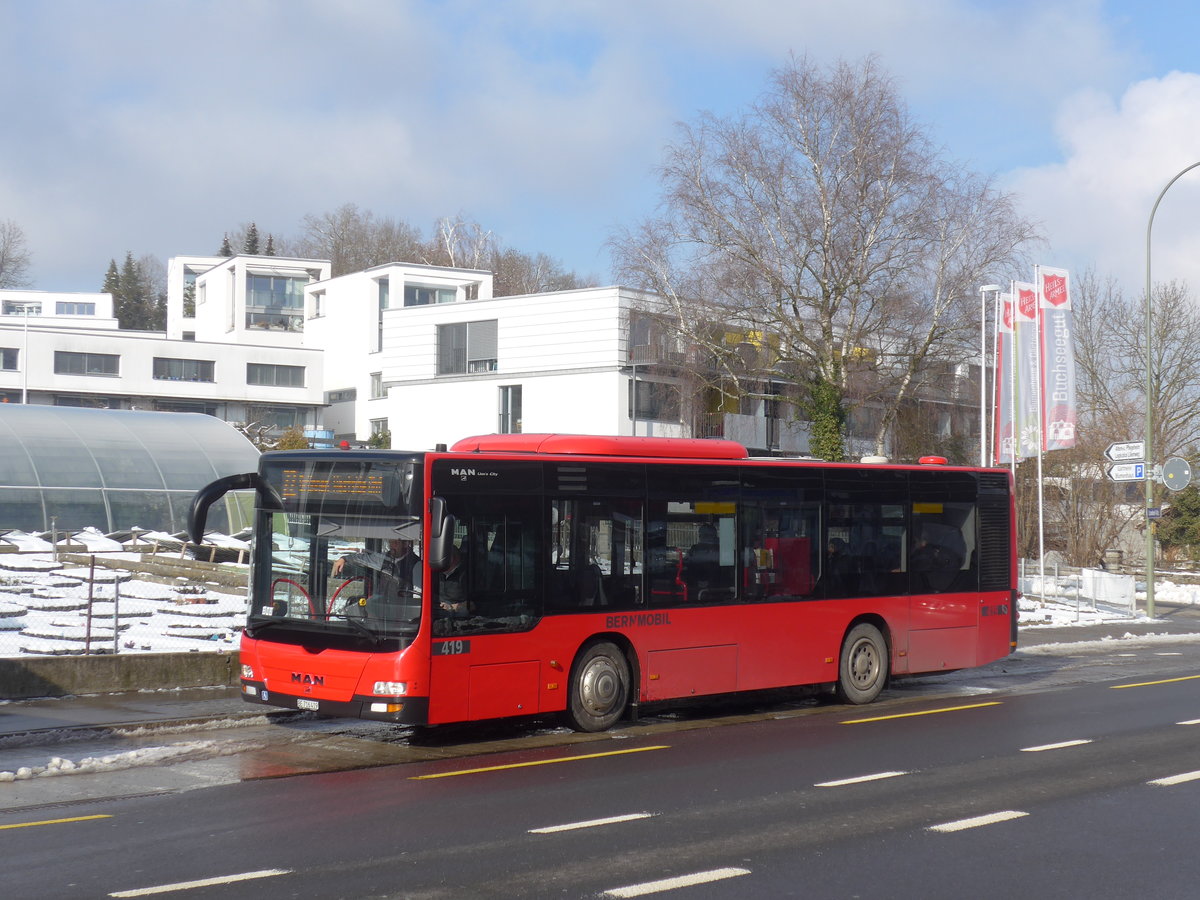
(15, 257)
(1111, 360)
(460, 243)
(825, 218)
(353, 240)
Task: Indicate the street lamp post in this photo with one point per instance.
(983, 292)
(1149, 438)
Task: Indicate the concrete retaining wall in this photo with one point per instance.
(60, 676)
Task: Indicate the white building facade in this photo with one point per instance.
(66, 349)
(424, 353)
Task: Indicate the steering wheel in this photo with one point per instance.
(312, 612)
(342, 587)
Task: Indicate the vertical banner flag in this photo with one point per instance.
(1005, 443)
(1057, 332)
(1028, 415)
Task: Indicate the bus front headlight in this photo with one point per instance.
(390, 688)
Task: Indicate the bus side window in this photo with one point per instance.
(595, 554)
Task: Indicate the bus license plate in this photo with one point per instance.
(307, 704)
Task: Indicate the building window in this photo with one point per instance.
(655, 400)
(192, 406)
(467, 348)
(9, 357)
(189, 292)
(318, 304)
(377, 389)
(425, 295)
(341, 396)
(510, 409)
(272, 375)
(379, 430)
(279, 417)
(88, 402)
(13, 308)
(184, 369)
(74, 309)
(68, 363)
(189, 335)
(385, 293)
(275, 302)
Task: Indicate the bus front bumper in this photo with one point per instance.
(397, 710)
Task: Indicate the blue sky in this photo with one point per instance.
(157, 125)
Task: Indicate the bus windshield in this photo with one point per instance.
(345, 552)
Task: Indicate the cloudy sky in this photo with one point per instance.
(155, 126)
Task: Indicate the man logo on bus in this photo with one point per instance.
(464, 474)
(305, 678)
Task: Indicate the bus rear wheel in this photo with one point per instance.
(863, 669)
(599, 688)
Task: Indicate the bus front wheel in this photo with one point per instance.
(599, 688)
(863, 669)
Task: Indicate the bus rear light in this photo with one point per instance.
(248, 672)
(387, 707)
(390, 688)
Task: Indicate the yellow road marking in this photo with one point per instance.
(1117, 687)
(55, 821)
(536, 762)
(924, 712)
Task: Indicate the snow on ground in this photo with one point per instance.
(44, 608)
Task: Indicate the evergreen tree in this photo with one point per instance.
(133, 309)
(251, 244)
(112, 282)
(226, 249)
(270, 245)
(1179, 530)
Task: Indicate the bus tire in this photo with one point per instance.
(599, 688)
(863, 668)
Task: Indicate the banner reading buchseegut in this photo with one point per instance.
(1005, 444)
(1027, 390)
(1057, 339)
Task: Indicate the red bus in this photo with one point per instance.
(528, 574)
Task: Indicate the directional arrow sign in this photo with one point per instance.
(1127, 472)
(1126, 450)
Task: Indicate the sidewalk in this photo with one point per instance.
(131, 708)
(125, 709)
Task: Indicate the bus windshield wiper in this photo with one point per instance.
(359, 624)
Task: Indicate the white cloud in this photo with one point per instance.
(156, 127)
(1118, 156)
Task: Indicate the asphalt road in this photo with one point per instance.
(1067, 770)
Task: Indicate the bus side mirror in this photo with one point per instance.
(441, 534)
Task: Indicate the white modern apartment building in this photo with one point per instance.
(425, 353)
(429, 355)
(65, 349)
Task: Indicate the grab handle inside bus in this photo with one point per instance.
(441, 534)
(211, 493)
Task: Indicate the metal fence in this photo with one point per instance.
(1092, 589)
